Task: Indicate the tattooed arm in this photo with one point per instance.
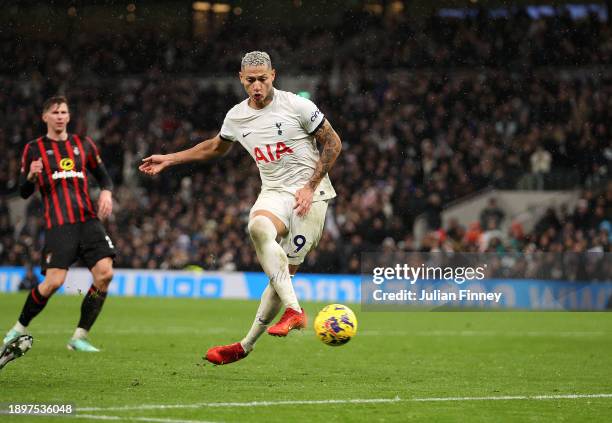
(332, 146)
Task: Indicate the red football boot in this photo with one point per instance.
(290, 320)
(226, 354)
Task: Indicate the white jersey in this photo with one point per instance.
(279, 138)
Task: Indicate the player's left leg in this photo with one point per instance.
(91, 306)
(268, 308)
(97, 252)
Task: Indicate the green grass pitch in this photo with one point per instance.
(153, 348)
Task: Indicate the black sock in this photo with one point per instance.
(91, 307)
(34, 304)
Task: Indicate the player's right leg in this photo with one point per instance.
(264, 227)
(15, 349)
(303, 235)
(59, 252)
(36, 301)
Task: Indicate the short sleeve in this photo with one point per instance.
(227, 130)
(311, 117)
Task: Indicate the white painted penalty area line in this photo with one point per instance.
(345, 401)
(137, 419)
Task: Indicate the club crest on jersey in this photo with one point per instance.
(76, 150)
(268, 155)
(278, 126)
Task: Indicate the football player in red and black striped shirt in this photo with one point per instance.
(58, 164)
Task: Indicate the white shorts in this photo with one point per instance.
(304, 232)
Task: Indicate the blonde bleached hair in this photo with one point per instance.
(256, 58)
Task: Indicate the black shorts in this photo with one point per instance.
(66, 244)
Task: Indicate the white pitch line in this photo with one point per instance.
(345, 401)
(144, 331)
(138, 419)
(431, 333)
(484, 333)
(242, 404)
(513, 397)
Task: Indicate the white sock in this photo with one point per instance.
(268, 308)
(80, 333)
(19, 327)
(273, 259)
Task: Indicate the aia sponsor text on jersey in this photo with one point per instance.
(269, 153)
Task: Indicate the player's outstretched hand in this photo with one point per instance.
(303, 200)
(154, 164)
(105, 204)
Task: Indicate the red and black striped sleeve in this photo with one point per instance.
(96, 166)
(26, 187)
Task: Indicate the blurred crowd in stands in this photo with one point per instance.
(413, 142)
(516, 41)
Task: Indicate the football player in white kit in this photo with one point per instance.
(279, 130)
